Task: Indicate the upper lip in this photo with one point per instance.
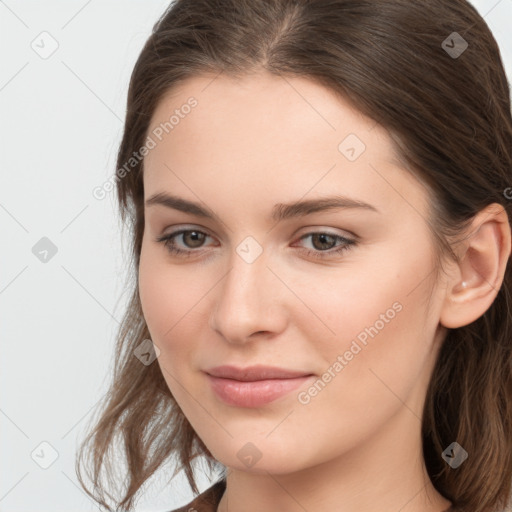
(253, 373)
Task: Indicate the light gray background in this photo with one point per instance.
(61, 122)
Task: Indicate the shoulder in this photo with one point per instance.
(207, 501)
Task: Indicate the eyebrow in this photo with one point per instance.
(280, 211)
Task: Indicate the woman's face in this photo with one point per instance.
(343, 295)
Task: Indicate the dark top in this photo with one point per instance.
(209, 500)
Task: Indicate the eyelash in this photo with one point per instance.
(168, 241)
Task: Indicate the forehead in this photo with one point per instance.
(266, 133)
(263, 101)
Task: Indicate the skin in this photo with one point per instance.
(249, 144)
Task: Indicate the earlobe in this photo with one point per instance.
(478, 276)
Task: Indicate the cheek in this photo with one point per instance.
(164, 302)
(360, 393)
(375, 319)
(163, 296)
(363, 303)
(172, 299)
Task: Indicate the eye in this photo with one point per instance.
(321, 239)
(193, 240)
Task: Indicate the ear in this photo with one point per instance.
(478, 276)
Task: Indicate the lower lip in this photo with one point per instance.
(256, 393)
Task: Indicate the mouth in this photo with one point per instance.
(254, 386)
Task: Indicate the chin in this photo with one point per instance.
(260, 456)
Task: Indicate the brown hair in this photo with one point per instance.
(450, 120)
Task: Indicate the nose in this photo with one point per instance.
(249, 302)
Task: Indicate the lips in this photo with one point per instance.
(254, 386)
(253, 373)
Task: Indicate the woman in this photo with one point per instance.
(317, 192)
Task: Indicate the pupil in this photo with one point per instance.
(322, 237)
(196, 238)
